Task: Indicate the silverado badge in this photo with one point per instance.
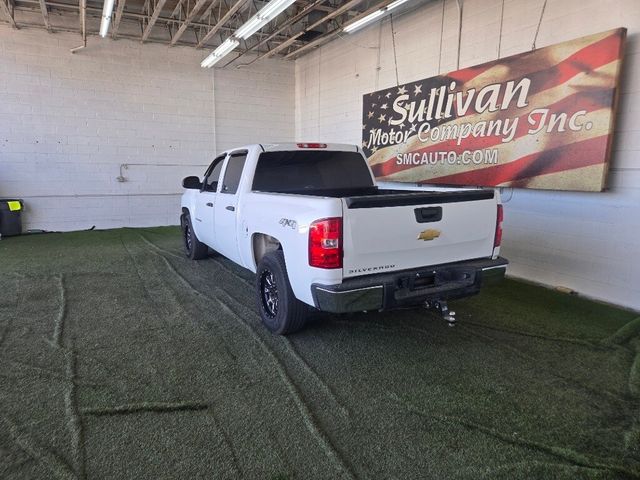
(429, 234)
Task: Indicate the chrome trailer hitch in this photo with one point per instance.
(441, 306)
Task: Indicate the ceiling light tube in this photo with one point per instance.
(395, 4)
(270, 11)
(107, 11)
(249, 28)
(223, 49)
(274, 8)
(352, 27)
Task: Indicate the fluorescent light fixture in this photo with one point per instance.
(270, 11)
(274, 8)
(395, 4)
(107, 11)
(358, 24)
(249, 28)
(223, 49)
(352, 27)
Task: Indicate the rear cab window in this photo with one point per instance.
(301, 171)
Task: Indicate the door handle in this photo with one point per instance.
(429, 214)
(231, 208)
(209, 204)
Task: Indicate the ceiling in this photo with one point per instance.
(197, 23)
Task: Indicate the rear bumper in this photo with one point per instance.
(408, 287)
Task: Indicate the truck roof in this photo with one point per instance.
(278, 147)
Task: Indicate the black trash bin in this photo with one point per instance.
(10, 216)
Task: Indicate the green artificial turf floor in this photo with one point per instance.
(120, 358)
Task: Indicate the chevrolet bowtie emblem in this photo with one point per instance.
(429, 234)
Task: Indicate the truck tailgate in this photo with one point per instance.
(398, 231)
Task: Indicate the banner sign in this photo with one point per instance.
(541, 119)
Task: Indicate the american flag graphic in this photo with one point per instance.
(541, 119)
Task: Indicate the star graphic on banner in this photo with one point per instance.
(374, 149)
(380, 118)
(364, 126)
(364, 144)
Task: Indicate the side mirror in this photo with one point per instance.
(192, 183)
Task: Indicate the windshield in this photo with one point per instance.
(299, 171)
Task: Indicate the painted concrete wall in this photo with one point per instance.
(588, 242)
(70, 125)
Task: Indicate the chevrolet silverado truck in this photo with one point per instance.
(310, 222)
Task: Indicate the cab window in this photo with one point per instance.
(233, 173)
(213, 175)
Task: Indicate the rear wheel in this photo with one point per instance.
(281, 312)
(193, 248)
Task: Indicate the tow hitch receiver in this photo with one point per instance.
(442, 307)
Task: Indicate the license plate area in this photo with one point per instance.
(429, 279)
(425, 280)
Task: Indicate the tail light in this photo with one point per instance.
(325, 243)
(498, 237)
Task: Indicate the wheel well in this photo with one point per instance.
(263, 244)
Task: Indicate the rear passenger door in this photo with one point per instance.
(226, 215)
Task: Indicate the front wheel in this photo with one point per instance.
(193, 248)
(281, 312)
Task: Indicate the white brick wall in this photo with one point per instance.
(588, 242)
(255, 104)
(67, 123)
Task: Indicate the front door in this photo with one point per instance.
(204, 218)
(227, 207)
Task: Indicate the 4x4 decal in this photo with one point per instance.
(285, 222)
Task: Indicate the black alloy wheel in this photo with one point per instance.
(269, 290)
(193, 248)
(280, 311)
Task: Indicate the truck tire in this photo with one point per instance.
(281, 312)
(193, 248)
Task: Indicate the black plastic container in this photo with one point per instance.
(10, 216)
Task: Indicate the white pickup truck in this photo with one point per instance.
(309, 220)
